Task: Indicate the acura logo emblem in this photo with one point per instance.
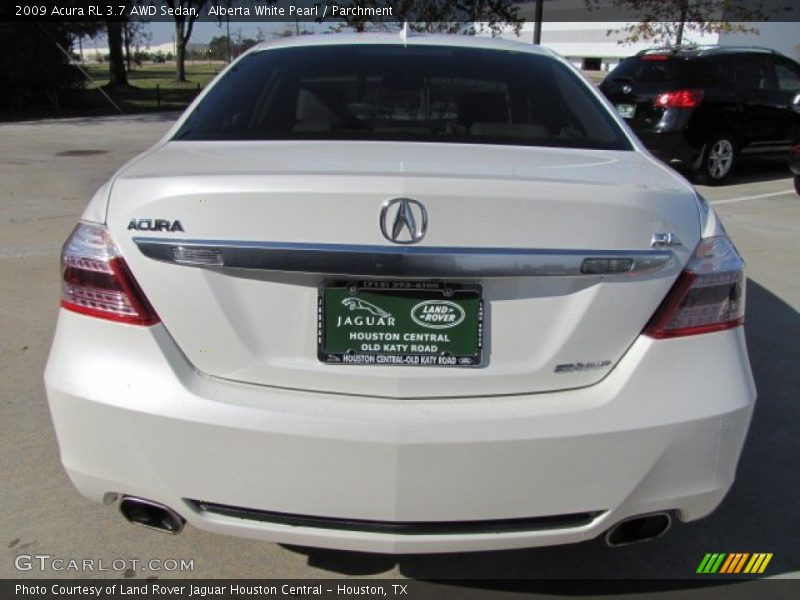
(403, 221)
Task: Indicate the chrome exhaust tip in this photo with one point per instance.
(641, 528)
(151, 515)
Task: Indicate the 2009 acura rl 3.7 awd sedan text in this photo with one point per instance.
(401, 294)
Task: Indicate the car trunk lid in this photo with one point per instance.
(552, 328)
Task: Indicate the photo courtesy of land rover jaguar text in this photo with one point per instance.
(401, 294)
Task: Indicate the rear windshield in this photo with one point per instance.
(652, 69)
(396, 93)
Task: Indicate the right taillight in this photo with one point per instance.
(708, 295)
(96, 280)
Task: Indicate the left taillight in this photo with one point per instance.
(679, 99)
(96, 281)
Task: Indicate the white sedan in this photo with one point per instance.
(401, 294)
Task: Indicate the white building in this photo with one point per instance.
(92, 48)
(90, 52)
(783, 37)
(593, 46)
(598, 45)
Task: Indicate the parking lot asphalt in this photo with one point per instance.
(46, 179)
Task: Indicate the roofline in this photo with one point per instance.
(708, 49)
(399, 39)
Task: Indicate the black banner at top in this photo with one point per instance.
(381, 12)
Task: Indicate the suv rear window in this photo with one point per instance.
(396, 93)
(653, 69)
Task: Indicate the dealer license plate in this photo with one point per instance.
(413, 323)
(626, 111)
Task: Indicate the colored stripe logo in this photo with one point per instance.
(734, 563)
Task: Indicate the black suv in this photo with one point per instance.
(700, 108)
(794, 155)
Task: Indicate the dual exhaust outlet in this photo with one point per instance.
(154, 515)
(642, 528)
(151, 515)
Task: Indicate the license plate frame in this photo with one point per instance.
(394, 309)
(626, 111)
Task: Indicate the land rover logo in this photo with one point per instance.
(437, 314)
(403, 221)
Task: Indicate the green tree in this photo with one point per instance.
(667, 21)
(184, 23)
(116, 37)
(244, 44)
(117, 76)
(218, 47)
(35, 67)
(134, 33)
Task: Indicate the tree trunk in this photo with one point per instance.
(116, 63)
(537, 26)
(181, 38)
(180, 61)
(681, 24)
(126, 40)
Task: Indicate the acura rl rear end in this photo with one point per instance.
(401, 294)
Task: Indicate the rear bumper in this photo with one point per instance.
(672, 147)
(662, 432)
(794, 159)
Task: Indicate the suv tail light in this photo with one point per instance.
(97, 282)
(708, 295)
(679, 99)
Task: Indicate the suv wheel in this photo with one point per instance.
(718, 160)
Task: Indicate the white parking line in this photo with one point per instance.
(746, 198)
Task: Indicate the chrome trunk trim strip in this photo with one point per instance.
(402, 261)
